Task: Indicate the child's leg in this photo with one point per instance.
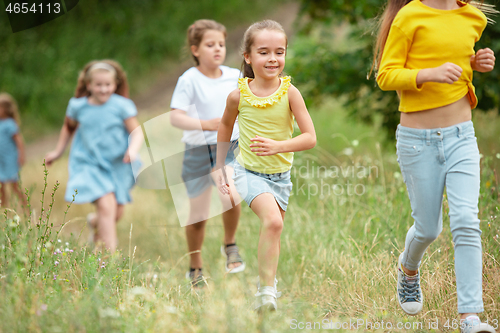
(106, 221)
(230, 215)
(17, 189)
(3, 195)
(195, 230)
(424, 174)
(119, 212)
(271, 217)
(462, 187)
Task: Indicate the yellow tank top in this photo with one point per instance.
(268, 117)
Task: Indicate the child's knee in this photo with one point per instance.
(273, 223)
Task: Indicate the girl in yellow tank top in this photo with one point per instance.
(265, 105)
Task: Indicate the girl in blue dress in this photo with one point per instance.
(101, 117)
(11, 149)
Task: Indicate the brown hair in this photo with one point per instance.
(85, 77)
(248, 38)
(392, 8)
(9, 104)
(196, 31)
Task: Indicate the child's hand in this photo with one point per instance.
(483, 61)
(222, 185)
(126, 157)
(447, 73)
(51, 157)
(265, 147)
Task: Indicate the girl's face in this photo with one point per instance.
(101, 86)
(267, 54)
(211, 52)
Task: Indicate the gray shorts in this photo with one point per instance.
(250, 184)
(198, 164)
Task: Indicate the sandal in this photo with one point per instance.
(232, 255)
(195, 276)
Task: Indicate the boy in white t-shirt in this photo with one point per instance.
(197, 105)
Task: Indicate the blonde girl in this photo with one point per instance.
(266, 104)
(197, 106)
(100, 116)
(11, 149)
(425, 51)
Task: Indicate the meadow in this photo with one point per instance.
(345, 227)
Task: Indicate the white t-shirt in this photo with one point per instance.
(204, 98)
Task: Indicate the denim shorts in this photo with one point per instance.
(250, 184)
(198, 164)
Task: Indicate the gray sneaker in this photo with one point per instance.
(409, 294)
(472, 324)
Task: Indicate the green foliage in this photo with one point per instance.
(39, 66)
(332, 56)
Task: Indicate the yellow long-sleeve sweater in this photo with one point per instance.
(424, 37)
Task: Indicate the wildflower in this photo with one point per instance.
(59, 241)
(71, 251)
(355, 143)
(67, 243)
(55, 277)
(56, 262)
(348, 151)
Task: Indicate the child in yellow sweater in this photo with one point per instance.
(425, 51)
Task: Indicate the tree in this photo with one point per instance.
(332, 56)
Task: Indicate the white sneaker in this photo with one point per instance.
(409, 293)
(472, 324)
(266, 297)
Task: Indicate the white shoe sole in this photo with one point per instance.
(267, 303)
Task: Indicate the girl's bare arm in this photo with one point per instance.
(65, 135)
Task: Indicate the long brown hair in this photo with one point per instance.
(197, 30)
(392, 8)
(248, 38)
(9, 104)
(85, 77)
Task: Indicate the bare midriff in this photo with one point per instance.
(443, 116)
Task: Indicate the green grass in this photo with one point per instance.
(336, 264)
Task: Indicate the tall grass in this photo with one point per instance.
(337, 262)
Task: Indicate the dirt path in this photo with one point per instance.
(156, 99)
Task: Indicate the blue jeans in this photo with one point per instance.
(431, 159)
